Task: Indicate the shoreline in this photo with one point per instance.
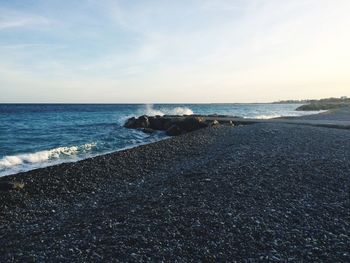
(82, 158)
(242, 120)
(269, 190)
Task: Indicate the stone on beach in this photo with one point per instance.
(10, 186)
(159, 123)
(214, 123)
(174, 131)
(148, 130)
(141, 122)
(173, 126)
(189, 124)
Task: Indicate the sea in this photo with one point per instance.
(39, 135)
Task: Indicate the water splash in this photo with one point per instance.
(151, 111)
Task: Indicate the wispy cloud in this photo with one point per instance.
(222, 5)
(203, 49)
(12, 19)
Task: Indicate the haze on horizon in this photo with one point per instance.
(173, 51)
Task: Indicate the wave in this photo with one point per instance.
(285, 114)
(181, 111)
(43, 156)
(266, 117)
(151, 111)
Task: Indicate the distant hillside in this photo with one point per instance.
(325, 104)
(308, 101)
(293, 101)
(315, 105)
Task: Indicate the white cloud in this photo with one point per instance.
(196, 51)
(222, 5)
(11, 19)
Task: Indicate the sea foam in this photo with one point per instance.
(151, 111)
(43, 156)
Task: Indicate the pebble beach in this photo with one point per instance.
(266, 192)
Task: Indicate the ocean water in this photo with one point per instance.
(38, 135)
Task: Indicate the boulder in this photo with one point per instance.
(160, 123)
(173, 125)
(148, 130)
(214, 123)
(130, 123)
(10, 186)
(167, 124)
(141, 122)
(190, 124)
(174, 130)
(156, 123)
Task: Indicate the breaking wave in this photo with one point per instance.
(43, 156)
(151, 111)
(285, 114)
(266, 117)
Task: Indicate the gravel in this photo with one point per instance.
(258, 193)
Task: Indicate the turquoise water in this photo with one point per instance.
(33, 136)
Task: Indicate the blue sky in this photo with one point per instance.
(173, 51)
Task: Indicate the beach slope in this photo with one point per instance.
(263, 192)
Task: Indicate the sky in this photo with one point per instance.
(183, 51)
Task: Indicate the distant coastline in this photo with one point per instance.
(317, 105)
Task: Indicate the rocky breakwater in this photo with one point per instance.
(172, 125)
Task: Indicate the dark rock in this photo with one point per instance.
(130, 123)
(160, 123)
(166, 123)
(174, 130)
(9, 186)
(141, 122)
(191, 124)
(148, 130)
(214, 123)
(156, 123)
